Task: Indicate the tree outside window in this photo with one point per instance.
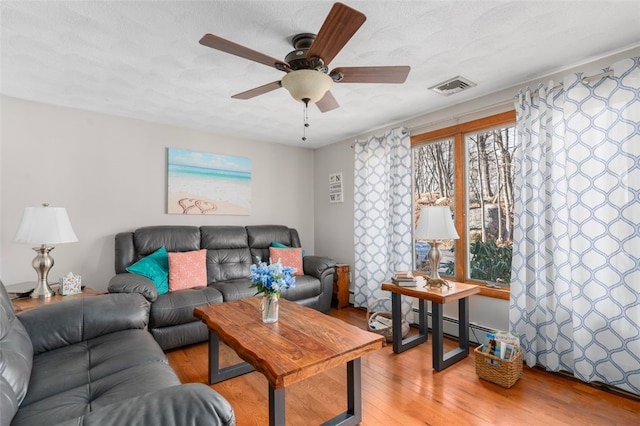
(434, 185)
(469, 168)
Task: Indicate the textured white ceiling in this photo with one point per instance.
(142, 59)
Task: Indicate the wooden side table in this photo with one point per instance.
(26, 303)
(341, 285)
(438, 297)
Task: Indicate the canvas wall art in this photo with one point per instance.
(205, 183)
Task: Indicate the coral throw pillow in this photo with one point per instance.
(187, 269)
(288, 257)
(280, 245)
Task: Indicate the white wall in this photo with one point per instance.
(110, 174)
(334, 222)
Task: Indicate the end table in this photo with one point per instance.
(26, 303)
(437, 297)
(341, 285)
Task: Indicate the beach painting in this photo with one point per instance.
(205, 183)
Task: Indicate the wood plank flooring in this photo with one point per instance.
(403, 389)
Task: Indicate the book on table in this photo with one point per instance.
(404, 279)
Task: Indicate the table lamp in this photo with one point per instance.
(435, 224)
(44, 225)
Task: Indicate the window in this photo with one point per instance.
(469, 168)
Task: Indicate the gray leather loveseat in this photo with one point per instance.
(230, 252)
(91, 362)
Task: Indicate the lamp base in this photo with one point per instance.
(42, 263)
(42, 291)
(434, 279)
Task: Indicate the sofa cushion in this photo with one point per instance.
(177, 307)
(228, 264)
(261, 237)
(291, 257)
(228, 255)
(306, 287)
(155, 267)
(112, 389)
(15, 359)
(187, 270)
(177, 336)
(235, 289)
(174, 238)
(83, 319)
(192, 404)
(76, 365)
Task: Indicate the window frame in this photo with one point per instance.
(457, 133)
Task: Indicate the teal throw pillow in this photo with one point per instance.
(155, 267)
(280, 245)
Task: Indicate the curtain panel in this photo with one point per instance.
(382, 213)
(575, 290)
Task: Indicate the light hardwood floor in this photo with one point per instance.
(403, 389)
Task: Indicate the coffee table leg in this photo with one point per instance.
(354, 391)
(353, 415)
(217, 374)
(276, 407)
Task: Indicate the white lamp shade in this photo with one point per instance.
(45, 225)
(307, 84)
(435, 224)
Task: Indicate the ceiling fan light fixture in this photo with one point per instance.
(309, 85)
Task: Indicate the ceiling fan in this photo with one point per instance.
(307, 77)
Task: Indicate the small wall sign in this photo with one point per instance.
(335, 188)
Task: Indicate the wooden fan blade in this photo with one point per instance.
(232, 48)
(338, 28)
(372, 74)
(327, 103)
(258, 91)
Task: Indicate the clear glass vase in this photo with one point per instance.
(269, 307)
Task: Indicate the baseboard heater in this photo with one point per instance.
(454, 321)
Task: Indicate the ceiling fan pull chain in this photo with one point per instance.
(305, 118)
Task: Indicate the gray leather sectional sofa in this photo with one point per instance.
(230, 252)
(92, 362)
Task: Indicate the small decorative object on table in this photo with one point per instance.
(70, 284)
(271, 280)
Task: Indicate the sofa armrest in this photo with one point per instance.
(132, 283)
(317, 266)
(76, 320)
(322, 268)
(184, 405)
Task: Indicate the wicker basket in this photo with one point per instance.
(503, 372)
(387, 332)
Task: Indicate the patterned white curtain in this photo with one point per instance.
(382, 213)
(576, 271)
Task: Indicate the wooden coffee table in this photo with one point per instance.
(303, 342)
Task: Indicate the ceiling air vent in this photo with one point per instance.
(453, 85)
